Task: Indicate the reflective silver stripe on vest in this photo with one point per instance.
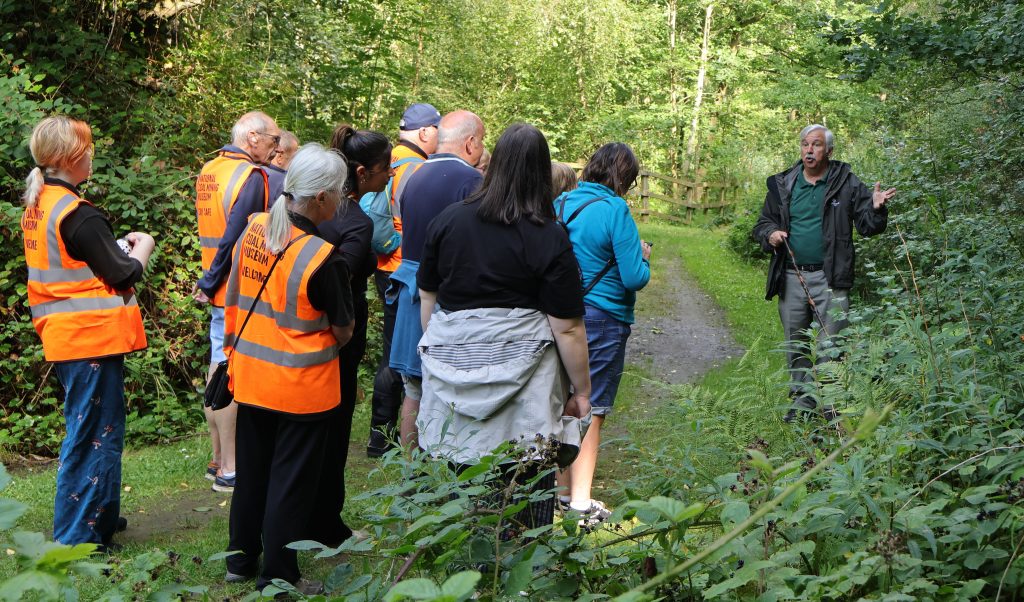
(52, 244)
(309, 249)
(231, 294)
(60, 275)
(79, 304)
(209, 242)
(285, 359)
(226, 202)
(284, 320)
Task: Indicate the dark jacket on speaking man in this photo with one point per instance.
(847, 202)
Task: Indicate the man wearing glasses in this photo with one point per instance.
(230, 188)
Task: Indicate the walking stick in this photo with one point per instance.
(807, 291)
(814, 307)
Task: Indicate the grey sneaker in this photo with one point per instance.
(224, 485)
(309, 587)
(230, 577)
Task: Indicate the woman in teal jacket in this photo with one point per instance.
(614, 264)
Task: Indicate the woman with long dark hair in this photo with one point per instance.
(368, 157)
(510, 324)
(615, 264)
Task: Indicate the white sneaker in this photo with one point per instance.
(593, 515)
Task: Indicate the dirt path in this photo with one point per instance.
(678, 336)
(679, 333)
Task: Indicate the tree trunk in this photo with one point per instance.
(673, 158)
(691, 145)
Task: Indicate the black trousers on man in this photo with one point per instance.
(387, 384)
(280, 462)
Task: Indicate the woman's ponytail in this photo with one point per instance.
(279, 227)
(33, 187)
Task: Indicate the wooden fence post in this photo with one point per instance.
(644, 192)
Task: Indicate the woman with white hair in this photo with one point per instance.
(288, 309)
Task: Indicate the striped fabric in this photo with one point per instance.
(470, 356)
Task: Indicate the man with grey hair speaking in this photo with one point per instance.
(807, 224)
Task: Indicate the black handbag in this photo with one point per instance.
(218, 396)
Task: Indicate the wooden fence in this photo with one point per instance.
(685, 197)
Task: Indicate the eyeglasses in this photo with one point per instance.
(277, 139)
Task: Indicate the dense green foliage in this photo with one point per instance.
(926, 96)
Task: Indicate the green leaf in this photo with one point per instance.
(473, 471)
(10, 512)
(735, 511)
(519, 577)
(417, 589)
(461, 585)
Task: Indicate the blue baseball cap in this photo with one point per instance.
(419, 115)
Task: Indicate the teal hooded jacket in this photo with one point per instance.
(602, 230)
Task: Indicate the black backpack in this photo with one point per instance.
(565, 224)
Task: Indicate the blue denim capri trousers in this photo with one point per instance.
(606, 342)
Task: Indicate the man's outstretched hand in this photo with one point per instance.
(880, 197)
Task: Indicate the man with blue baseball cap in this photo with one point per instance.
(417, 138)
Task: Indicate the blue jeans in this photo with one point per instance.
(606, 343)
(88, 499)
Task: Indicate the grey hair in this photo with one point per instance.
(288, 140)
(313, 170)
(458, 133)
(830, 140)
(253, 121)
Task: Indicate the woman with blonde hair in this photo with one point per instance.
(84, 308)
(288, 310)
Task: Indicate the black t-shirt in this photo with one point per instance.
(328, 289)
(88, 237)
(351, 234)
(471, 263)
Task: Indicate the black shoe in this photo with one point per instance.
(378, 445)
(109, 548)
(794, 415)
(831, 414)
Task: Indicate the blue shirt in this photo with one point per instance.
(440, 181)
(275, 181)
(602, 230)
(251, 199)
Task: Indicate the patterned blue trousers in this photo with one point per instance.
(88, 499)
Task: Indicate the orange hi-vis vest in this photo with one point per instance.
(217, 189)
(390, 262)
(75, 313)
(287, 357)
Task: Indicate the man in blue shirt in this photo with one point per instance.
(278, 166)
(448, 176)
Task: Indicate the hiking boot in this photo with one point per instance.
(379, 444)
(224, 484)
(211, 470)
